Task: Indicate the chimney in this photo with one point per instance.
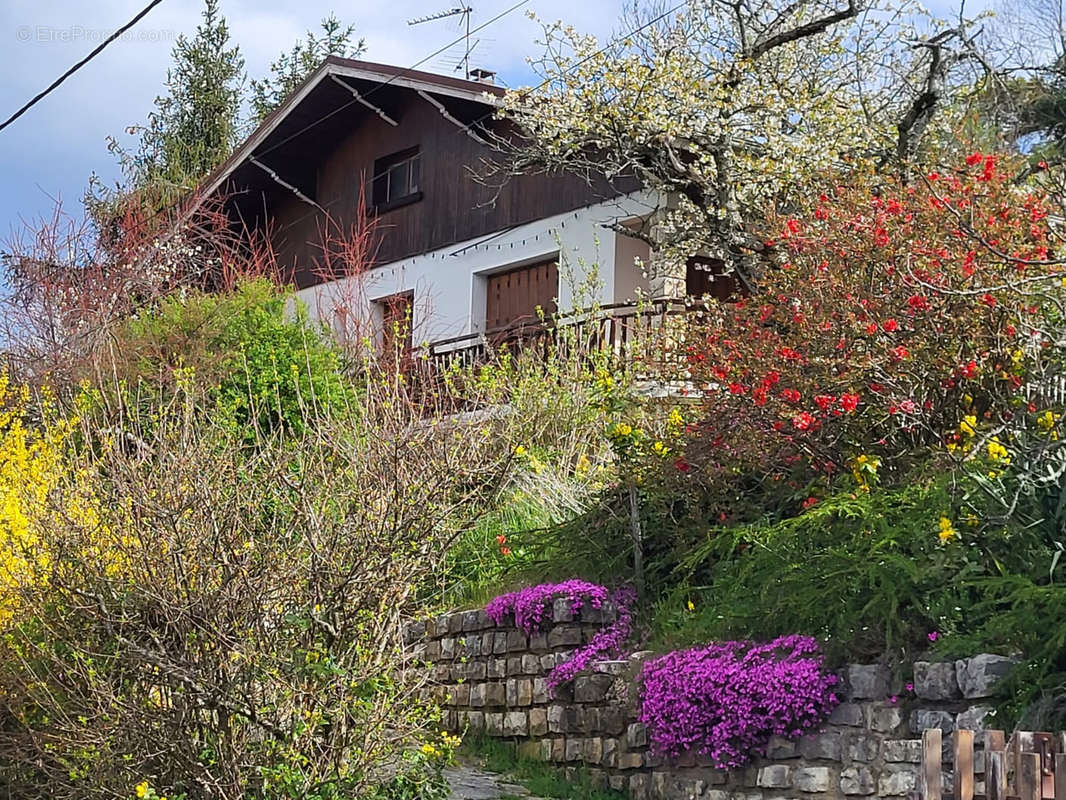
(482, 75)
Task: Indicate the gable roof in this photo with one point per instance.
(336, 68)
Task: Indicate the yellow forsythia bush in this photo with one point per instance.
(37, 487)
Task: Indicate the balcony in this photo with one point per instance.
(627, 333)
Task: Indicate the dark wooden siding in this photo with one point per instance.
(455, 206)
(707, 276)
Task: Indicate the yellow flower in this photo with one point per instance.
(1047, 420)
(659, 448)
(621, 429)
(947, 529)
(997, 452)
(691, 606)
(141, 789)
(583, 465)
(34, 475)
(520, 451)
(969, 424)
(865, 468)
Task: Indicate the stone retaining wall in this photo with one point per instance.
(491, 679)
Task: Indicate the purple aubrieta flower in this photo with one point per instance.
(726, 700)
(532, 606)
(933, 636)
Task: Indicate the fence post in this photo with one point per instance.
(932, 743)
(995, 775)
(963, 786)
(1028, 778)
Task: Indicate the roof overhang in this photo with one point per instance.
(339, 69)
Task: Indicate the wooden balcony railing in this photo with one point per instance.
(627, 333)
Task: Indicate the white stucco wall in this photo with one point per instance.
(595, 265)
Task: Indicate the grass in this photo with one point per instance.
(541, 779)
(525, 515)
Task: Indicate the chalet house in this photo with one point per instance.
(464, 259)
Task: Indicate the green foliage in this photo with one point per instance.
(542, 780)
(575, 425)
(477, 566)
(269, 368)
(293, 68)
(866, 571)
(194, 126)
(878, 571)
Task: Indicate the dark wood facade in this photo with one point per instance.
(326, 148)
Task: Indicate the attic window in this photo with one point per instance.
(397, 179)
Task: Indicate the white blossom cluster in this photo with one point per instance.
(724, 107)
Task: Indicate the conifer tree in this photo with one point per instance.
(195, 124)
(292, 68)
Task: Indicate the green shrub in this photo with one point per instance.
(865, 571)
(875, 573)
(270, 368)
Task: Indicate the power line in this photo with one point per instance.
(589, 57)
(398, 75)
(487, 114)
(55, 84)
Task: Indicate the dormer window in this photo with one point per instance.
(397, 179)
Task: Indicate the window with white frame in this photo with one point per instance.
(397, 179)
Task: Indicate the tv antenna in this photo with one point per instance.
(464, 11)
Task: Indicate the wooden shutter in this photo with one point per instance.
(396, 317)
(513, 296)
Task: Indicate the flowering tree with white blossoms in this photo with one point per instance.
(720, 107)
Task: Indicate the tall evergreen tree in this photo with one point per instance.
(293, 67)
(195, 124)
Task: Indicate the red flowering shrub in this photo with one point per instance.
(891, 313)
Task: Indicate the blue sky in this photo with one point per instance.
(49, 153)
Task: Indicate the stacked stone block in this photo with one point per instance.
(492, 679)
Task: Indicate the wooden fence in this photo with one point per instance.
(1028, 766)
